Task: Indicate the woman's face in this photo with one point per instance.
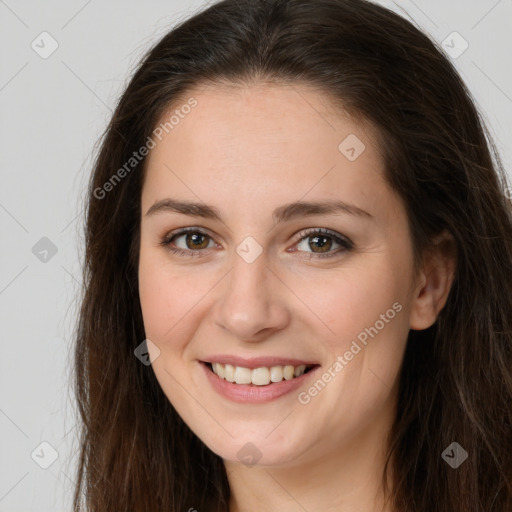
(257, 286)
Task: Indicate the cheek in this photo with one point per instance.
(154, 299)
(346, 301)
(363, 310)
(172, 299)
(164, 303)
(163, 298)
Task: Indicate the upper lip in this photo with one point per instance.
(257, 362)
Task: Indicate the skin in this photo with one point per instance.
(246, 151)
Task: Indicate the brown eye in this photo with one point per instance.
(323, 243)
(320, 243)
(196, 241)
(187, 242)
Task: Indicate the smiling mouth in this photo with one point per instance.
(262, 376)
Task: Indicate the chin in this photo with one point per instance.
(255, 451)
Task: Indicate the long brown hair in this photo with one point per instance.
(136, 453)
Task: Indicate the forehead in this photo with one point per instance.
(263, 113)
(263, 141)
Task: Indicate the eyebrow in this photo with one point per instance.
(283, 213)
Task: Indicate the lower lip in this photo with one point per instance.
(250, 393)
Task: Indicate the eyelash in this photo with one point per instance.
(345, 243)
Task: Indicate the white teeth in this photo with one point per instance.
(288, 372)
(276, 373)
(258, 376)
(299, 370)
(229, 372)
(218, 369)
(243, 375)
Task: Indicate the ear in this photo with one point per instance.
(434, 281)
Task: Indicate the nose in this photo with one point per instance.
(252, 302)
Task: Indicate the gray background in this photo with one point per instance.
(53, 111)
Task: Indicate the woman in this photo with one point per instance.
(298, 275)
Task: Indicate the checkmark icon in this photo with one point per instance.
(44, 45)
(147, 352)
(44, 250)
(450, 454)
(44, 455)
(351, 147)
(454, 455)
(249, 249)
(249, 454)
(455, 45)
